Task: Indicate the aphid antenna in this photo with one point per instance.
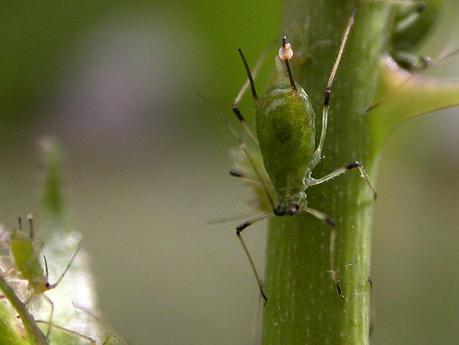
(20, 223)
(52, 286)
(31, 226)
(285, 54)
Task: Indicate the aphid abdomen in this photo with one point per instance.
(286, 133)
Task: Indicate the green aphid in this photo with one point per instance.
(26, 260)
(285, 132)
(413, 21)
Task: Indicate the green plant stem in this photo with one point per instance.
(405, 96)
(35, 335)
(304, 307)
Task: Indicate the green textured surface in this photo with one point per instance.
(304, 307)
(36, 337)
(285, 130)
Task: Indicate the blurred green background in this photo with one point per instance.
(146, 166)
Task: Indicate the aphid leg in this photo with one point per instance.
(243, 147)
(417, 7)
(260, 178)
(242, 176)
(101, 321)
(51, 315)
(31, 227)
(370, 322)
(343, 170)
(6, 266)
(420, 5)
(250, 82)
(239, 229)
(327, 93)
(52, 286)
(82, 336)
(332, 224)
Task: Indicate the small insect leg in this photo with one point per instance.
(371, 320)
(328, 91)
(239, 229)
(242, 176)
(259, 176)
(31, 226)
(343, 170)
(82, 336)
(52, 286)
(332, 247)
(51, 315)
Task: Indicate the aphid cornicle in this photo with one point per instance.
(285, 128)
(26, 260)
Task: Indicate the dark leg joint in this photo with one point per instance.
(265, 298)
(242, 227)
(353, 165)
(421, 6)
(327, 97)
(235, 173)
(423, 63)
(330, 221)
(238, 114)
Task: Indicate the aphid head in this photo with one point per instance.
(39, 285)
(288, 208)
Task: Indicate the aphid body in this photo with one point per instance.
(26, 259)
(285, 123)
(285, 127)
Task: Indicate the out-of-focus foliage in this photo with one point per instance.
(165, 277)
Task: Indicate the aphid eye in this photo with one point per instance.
(47, 285)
